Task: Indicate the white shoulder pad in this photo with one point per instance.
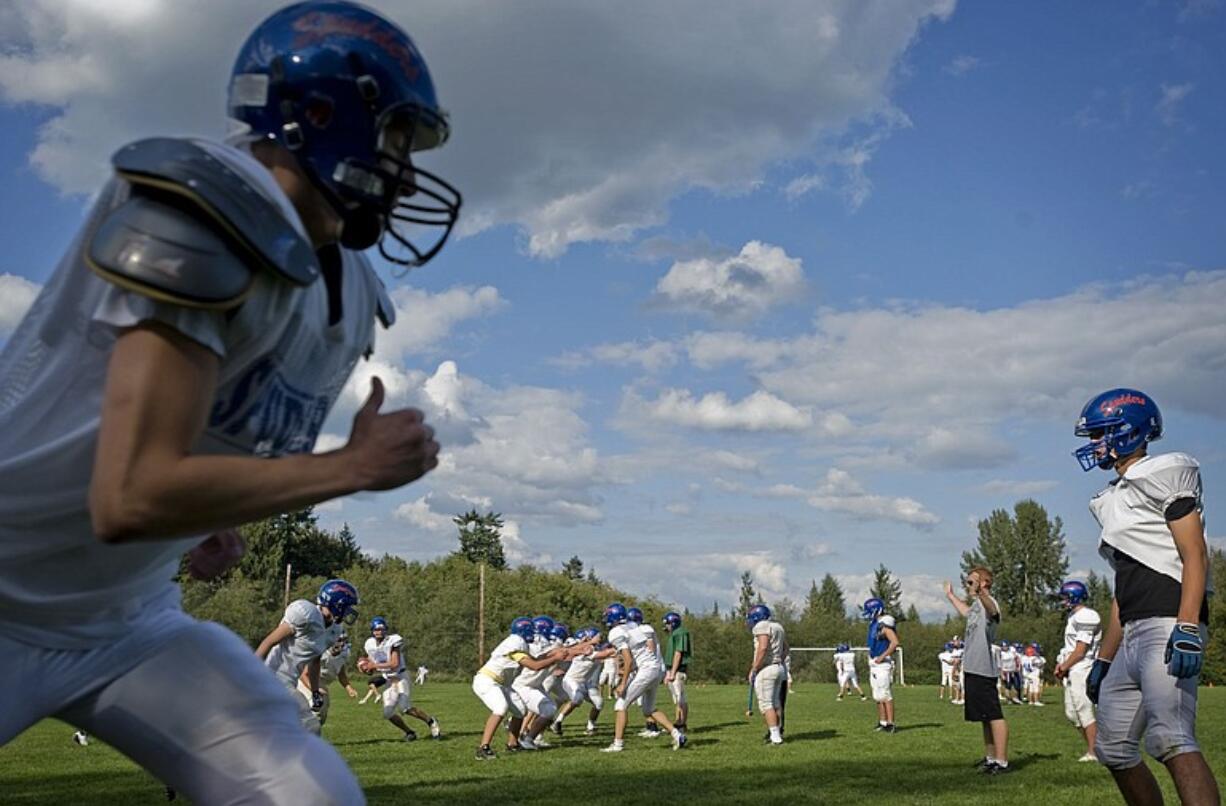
(1166, 478)
(1087, 619)
(300, 613)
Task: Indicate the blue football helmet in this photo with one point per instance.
(615, 614)
(523, 627)
(757, 613)
(341, 599)
(378, 623)
(542, 625)
(1118, 422)
(948, 646)
(348, 93)
(843, 647)
(1004, 644)
(672, 619)
(1073, 593)
(873, 608)
(634, 614)
(560, 632)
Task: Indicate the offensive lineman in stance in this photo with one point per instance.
(1144, 680)
(169, 383)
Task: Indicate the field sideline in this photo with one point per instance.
(832, 755)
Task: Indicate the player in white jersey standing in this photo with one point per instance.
(294, 647)
(1149, 662)
(1032, 672)
(422, 671)
(635, 616)
(946, 659)
(642, 673)
(1082, 634)
(959, 696)
(770, 648)
(492, 682)
(331, 667)
(385, 655)
(169, 382)
(845, 669)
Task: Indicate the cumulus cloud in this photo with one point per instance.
(760, 411)
(739, 287)
(16, 296)
(839, 492)
(572, 121)
(424, 320)
(961, 65)
(651, 356)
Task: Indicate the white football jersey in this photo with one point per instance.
(331, 663)
(1032, 665)
(1132, 511)
(282, 367)
(629, 636)
(650, 632)
(845, 662)
(775, 640)
(1007, 657)
(311, 637)
(535, 678)
(947, 660)
(1083, 626)
(381, 652)
(504, 660)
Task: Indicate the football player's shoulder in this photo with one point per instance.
(301, 612)
(761, 628)
(1087, 617)
(371, 645)
(395, 640)
(1165, 476)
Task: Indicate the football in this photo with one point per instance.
(365, 665)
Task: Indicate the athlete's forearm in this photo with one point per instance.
(676, 662)
(1112, 635)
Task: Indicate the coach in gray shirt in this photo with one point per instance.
(981, 702)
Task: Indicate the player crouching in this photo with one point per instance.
(580, 681)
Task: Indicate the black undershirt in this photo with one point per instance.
(330, 263)
(1141, 591)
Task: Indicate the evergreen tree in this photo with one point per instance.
(573, 568)
(481, 538)
(888, 589)
(830, 600)
(1026, 553)
(748, 597)
(1100, 595)
(913, 615)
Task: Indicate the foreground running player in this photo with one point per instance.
(1149, 663)
(146, 411)
(385, 655)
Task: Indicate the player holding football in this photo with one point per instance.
(294, 648)
(1149, 662)
(845, 669)
(170, 380)
(882, 641)
(1082, 633)
(385, 655)
(642, 674)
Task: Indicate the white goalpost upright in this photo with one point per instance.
(899, 667)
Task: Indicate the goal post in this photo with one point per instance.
(899, 667)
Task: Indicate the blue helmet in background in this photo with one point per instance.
(346, 91)
(843, 647)
(949, 645)
(378, 623)
(634, 614)
(523, 627)
(341, 599)
(560, 632)
(1117, 423)
(615, 614)
(672, 619)
(1073, 593)
(873, 608)
(543, 625)
(757, 613)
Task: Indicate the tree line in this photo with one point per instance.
(435, 604)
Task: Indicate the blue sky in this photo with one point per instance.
(792, 289)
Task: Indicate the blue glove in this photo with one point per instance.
(1185, 650)
(1094, 680)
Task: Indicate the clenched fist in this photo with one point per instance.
(389, 450)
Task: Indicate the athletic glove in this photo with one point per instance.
(317, 701)
(1094, 680)
(1185, 650)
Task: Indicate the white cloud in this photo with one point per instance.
(925, 591)
(16, 296)
(839, 492)
(423, 320)
(707, 350)
(803, 185)
(419, 513)
(1173, 96)
(759, 411)
(595, 149)
(651, 356)
(961, 65)
(738, 287)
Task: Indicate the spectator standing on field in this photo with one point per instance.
(981, 670)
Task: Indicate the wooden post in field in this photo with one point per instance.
(480, 614)
(287, 569)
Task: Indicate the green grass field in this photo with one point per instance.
(832, 755)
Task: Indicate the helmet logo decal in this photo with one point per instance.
(319, 25)
(1108, 406)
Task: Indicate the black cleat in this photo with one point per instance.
(484, 753)
(996, 769)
